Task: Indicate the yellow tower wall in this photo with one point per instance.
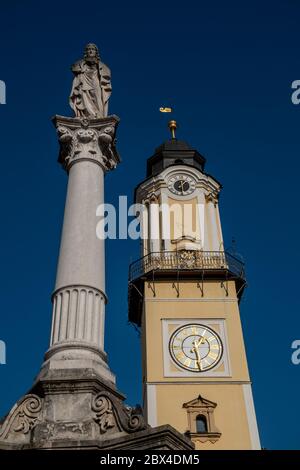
(166, 395)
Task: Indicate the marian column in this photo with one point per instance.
(87, 152)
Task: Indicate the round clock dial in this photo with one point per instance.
(195, 347)
(182, 185)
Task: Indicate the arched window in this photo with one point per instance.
(201, 424)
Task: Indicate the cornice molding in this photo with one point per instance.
(159, 183)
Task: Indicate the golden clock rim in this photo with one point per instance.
(172, 180)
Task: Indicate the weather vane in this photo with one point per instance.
(172, 126)
(165, 110)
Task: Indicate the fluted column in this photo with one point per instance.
(87, 151)
(78, 315)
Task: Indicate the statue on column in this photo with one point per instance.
(91, 87)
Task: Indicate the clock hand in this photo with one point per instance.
(198, 361)
(195, 350)
(201, 340)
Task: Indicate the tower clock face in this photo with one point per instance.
(195, 347)
(182, 185)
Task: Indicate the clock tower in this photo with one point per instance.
(184, 295)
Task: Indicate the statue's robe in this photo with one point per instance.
(91, 90)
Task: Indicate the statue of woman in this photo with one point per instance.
(91, 85)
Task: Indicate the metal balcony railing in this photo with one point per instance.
(189, 260)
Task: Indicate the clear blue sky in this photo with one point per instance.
(227, 67)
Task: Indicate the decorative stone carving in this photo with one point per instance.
(22, 418)
(152, 198)
(104, 413)
(63, 430)
(87, 139)
(186, 259)
(205, 408)
(111, 413)
(212, 197)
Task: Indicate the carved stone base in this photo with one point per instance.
(74, 408)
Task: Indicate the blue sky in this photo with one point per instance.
(227, 68)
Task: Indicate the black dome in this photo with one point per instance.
(174, 152)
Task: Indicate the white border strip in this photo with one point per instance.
(254, 436)
(151, 405)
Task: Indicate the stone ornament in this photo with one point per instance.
(111, 413)
(213, 197)
(22, 418)
(85, 139)
(186, 259)
(104, 413)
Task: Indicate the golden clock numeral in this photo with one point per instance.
(214, 346)
(213, 355)
(176, 347)
(194, 330)
(205, 361)
(179, 355)
(187, 362)
(211, 338)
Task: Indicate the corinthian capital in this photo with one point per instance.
(212, 197)
(87, 139)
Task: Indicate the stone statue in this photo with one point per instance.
(91, 87)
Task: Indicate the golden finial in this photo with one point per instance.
(173, 126)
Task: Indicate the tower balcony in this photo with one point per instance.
(181, 265)
(186, 260)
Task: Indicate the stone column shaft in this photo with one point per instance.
(77, 335)
(79, 297)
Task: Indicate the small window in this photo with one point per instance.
(201, 424)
